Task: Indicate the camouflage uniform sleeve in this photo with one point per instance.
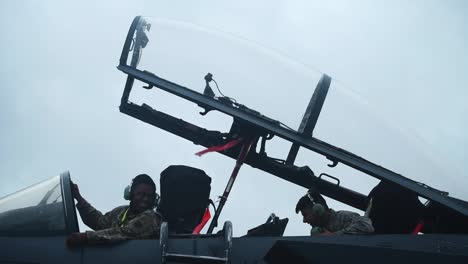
(316, 230)
(355, 224)
(94, 218)
(146, 225)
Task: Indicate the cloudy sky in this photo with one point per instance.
(399, 69)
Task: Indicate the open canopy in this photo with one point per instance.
(264, 94)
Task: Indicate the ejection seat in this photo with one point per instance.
(185, 196)
(393, 209)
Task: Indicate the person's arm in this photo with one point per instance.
(355, 224)
(90, 216)
(145, 225)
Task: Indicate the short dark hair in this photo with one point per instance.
(305, 202)
(142, 179)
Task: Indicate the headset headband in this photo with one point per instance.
(310, 197)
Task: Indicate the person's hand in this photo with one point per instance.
(315, 230)
(76, 192)
(77, 239)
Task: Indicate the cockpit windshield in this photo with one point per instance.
(36, 210)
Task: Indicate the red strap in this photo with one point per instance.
(203, 222)
(418, 228)
(220, 148)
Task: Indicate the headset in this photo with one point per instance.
(128, 194)
(318, 209)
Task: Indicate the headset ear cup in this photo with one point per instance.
(127, 195)
(318, 210)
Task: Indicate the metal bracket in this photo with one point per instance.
(334, 162)
(331, 177)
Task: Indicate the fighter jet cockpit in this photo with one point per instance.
(278, 115)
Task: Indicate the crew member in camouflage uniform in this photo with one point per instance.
(134, 221)
(326, 221)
